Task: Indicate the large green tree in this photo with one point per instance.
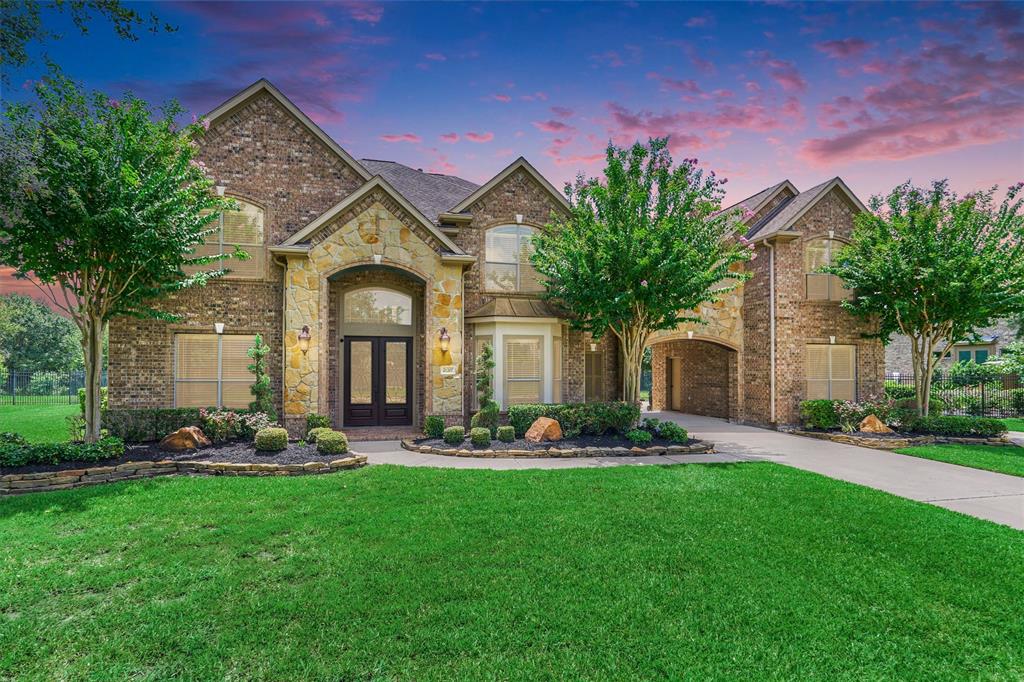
(640, 250)
(35, 338)
(102, 205)
(935, 266)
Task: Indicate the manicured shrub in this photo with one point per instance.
(480, 436)
(958, 427)
(331, 443)
(673, 432)
(314, 434)
(819, 414)
(317, 421)
(250, 424)
(639, 437)
(434, 426)
(454, 435)
(103, 398)
(12, 455)
(273, 439)
(591, 419)
(486, 418)
(506, 434)
(11, 438)
(262, 393)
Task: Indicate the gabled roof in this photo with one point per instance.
(431, 193)
(509, 170)
(508, 306)
(787, 213)
(375, 182)
(263, 85)
(755, 202)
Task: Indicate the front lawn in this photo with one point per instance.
(744, 571)
(1014, 424)
(1005, 460)
(38, 423)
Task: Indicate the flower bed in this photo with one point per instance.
(582, 446)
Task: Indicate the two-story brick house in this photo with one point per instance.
(376, 286)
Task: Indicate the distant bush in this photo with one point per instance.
(454, 435)
(273, 439)
(969, 372)
(434, 426)
(11, 438)
(332, 443)
(957, 426)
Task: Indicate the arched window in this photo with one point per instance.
(821, 286)
(374, 305)
(507, 265)
(242, 227)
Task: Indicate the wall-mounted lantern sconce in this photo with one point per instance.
(377, 258)
(304, 337)
(831, 234)
(220, 190)
(218, 327)
(689, 334)
(519, 218)
(593, 348)
(445, 340)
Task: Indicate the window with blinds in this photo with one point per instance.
(593, 377)
(821, 286)
(478, 350)
(242, 228)
(211, 370)
(507, 267)
(831, 372)
(524, 369)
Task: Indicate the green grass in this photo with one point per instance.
(749, 571)
(38, 423)
(1014, 424)
(1005, 460)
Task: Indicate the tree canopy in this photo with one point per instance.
(35, 338)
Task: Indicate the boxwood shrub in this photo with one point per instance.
(590, 419)
(434, 426)
(15, 455)
(454, 435)
(819, 414)
(317, 421)
(639, 437)
(958, 427)
(314, 434)
(331, 443)
(273, 439)
(480, 436)
(506, 434)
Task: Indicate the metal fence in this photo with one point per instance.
(1000, 396)
(22, 387)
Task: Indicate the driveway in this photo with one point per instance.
(984, 494)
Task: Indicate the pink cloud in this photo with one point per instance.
(535, 97)
(500, 97)
(687, 86)
(368, 12)
(562, 112)
(435, 57)
(786, 75)
(843, 49)
(479, 137)
(450, 137)
(552, 126)
(402, 137)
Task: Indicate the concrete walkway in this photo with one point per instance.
(984, 494)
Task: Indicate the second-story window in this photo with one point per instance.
(507, 266)
(821, 286)
(242, 228)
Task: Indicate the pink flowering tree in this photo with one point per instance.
(935, 267)
(102, 206)
(641, 249)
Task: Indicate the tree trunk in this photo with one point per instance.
(92, 346)
(632, 343)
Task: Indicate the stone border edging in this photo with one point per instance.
(43, 481)
(896, 443)
(700, 447)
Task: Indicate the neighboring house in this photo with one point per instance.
(782, 337)
(987, 345)
(376, 286)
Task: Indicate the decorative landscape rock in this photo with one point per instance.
(185, 438)
(872, 424)
(544, 429)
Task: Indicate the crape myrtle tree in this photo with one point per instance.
(102, 206)
(935, 266)
(640, 249)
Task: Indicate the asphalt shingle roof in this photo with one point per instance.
(752, 202)
(431, 193)
(783, 215)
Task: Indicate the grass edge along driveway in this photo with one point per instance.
(999, 458)
(749, 570)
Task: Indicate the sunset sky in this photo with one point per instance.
(876, 93)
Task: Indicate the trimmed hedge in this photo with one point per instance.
(480, 436)
(958, 427)
(332, 443)
(590, 419)
(506, 434)
(454, 435)
(819, 414)
(486, 418)
(434, 426)
(272, 439)
(314, 434)
(12, 455)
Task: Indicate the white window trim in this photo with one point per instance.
(497, 330)
(519, 269)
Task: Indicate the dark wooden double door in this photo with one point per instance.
(378, 381)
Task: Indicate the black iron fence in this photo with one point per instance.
(20, 387)
(992, 396)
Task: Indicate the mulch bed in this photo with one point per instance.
(564, 444)
(238, 452)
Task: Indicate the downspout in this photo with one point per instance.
(771, 330)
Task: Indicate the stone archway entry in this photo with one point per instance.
(696, 377)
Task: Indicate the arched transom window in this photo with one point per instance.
(377, 306)
(507, 265)
(821, 286)
(241, 227)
